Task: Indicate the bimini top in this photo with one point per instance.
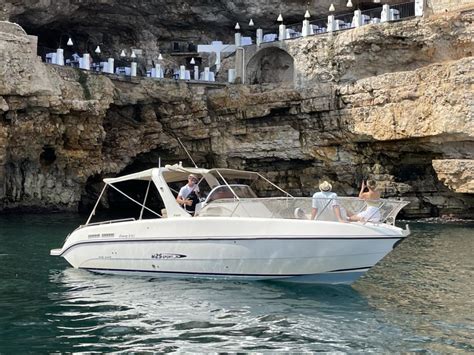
(163, 176)
(176, 172)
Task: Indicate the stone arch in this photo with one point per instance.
(270, 65)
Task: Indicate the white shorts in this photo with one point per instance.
(371, 214)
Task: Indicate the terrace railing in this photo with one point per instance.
(344, 20)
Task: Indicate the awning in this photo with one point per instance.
(235, 174)
(171, 173)
(175, 173)
(144, 175)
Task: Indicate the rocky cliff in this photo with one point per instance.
(409, 126)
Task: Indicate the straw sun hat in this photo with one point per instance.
(325, 186)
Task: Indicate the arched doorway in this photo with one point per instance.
(270, 65)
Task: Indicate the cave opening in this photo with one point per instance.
(408, 173)
(47, 156)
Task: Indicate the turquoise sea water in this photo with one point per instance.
(419, 298)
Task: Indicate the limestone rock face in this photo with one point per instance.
(457, 174)
(48, 126)
(441, 6)
(16, 55)
(410, 128)
(425, 103)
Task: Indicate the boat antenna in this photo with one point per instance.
(189, 155)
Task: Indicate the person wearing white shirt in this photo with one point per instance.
(325, 205)
(188, 195)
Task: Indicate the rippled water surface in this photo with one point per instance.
(419, 298)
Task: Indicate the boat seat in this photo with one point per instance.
(300, 213)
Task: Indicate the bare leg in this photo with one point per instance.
(356, 218)
(337, 212)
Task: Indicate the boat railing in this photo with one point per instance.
(377, 211)
(107, 222)
(100, 223)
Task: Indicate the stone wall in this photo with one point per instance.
(441, 6)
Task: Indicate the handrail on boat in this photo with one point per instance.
(131, 219)
(107, 222)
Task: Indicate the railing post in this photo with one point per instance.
(110, 65)
(231, 75)
(86, 61)
(196, 72)
(281, 32)
(59, 56)
(306, 29)
(419, 7)
(240, 65)
(238, 39)
(158, 71)
(259, 37)
(331, 23)
(357, 20)
(133, 69)
(385, 14)
(182, 72)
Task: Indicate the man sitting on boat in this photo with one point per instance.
(325, 206)
(188, 195)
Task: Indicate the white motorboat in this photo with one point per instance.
(234, 234)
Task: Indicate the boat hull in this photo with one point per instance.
(315, 252)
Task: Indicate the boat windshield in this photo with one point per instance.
(380, 211)
(228, 191)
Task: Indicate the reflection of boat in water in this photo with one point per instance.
(234, 234)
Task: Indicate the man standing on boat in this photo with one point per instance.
(188, 195)
(325, 204)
